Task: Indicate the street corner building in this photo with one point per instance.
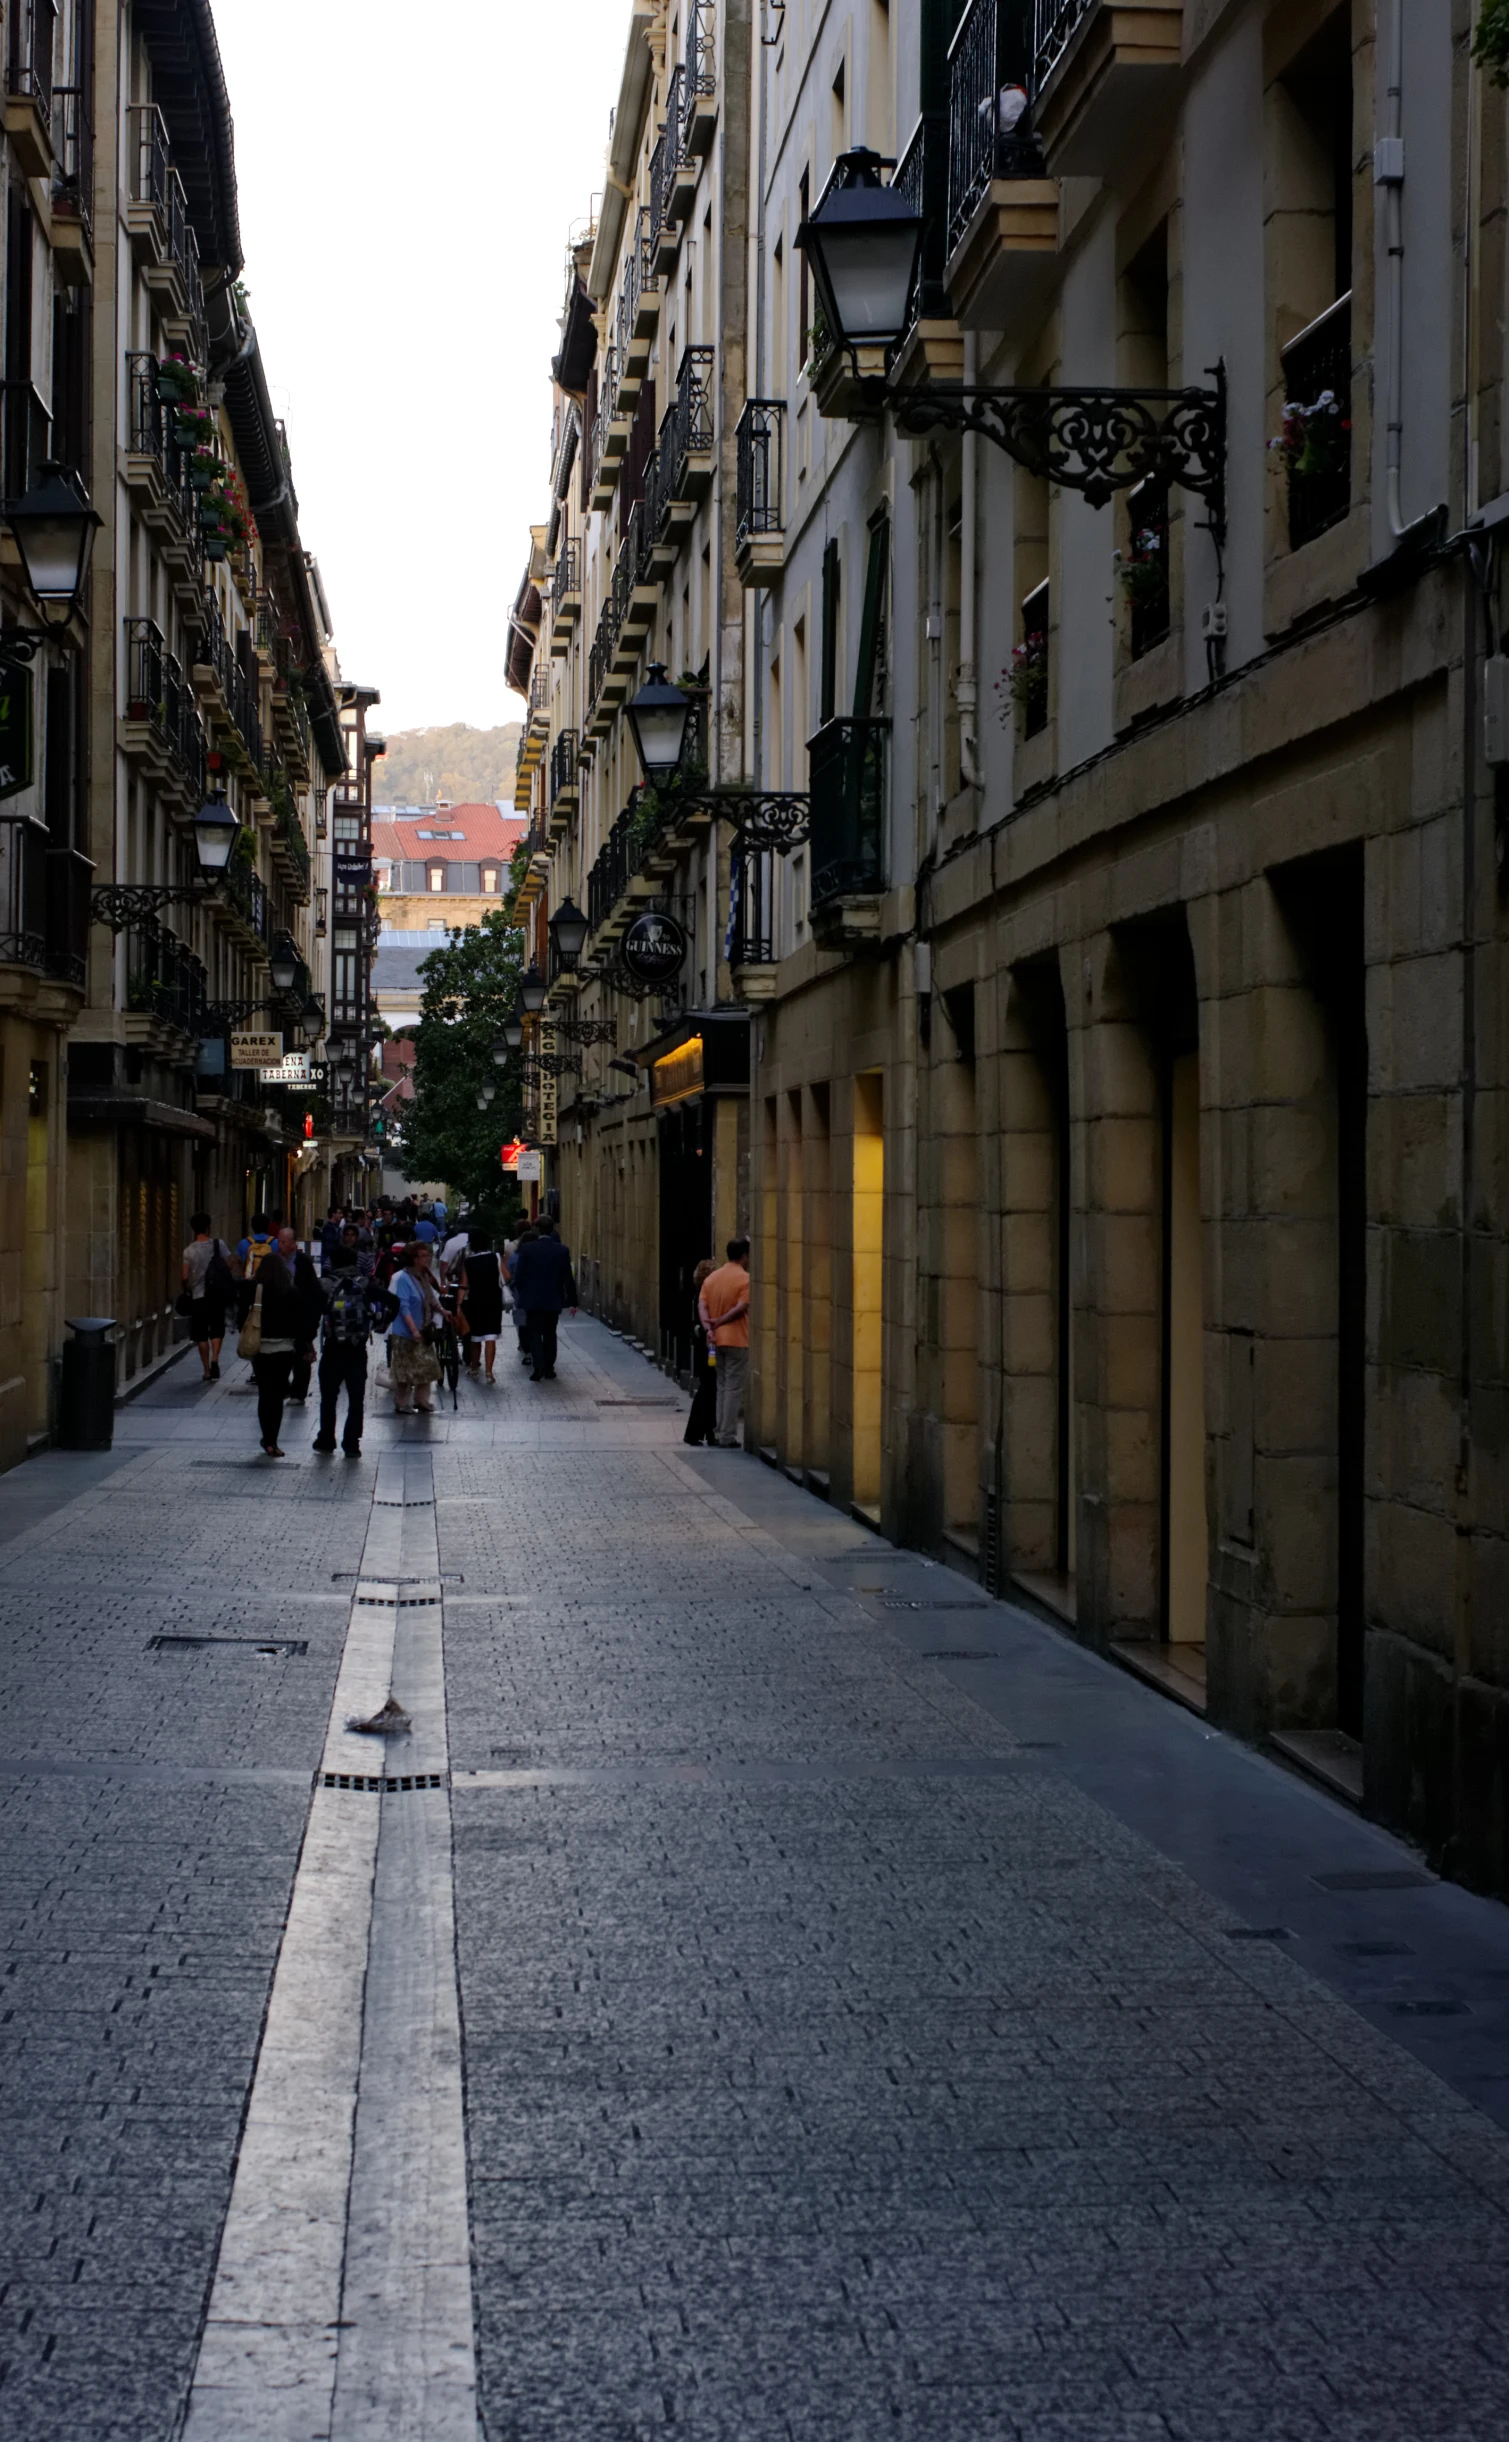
(1053, 454)
(185, 777)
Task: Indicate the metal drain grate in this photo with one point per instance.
(1399, 1879)
(904, 1602)
(381, 1504)
(445, 1577)
(280, 1645)
(636, 1403)
(400, 1602)
(1428, 2009)
(243, 1466)
(380, 1783)
(1258, 1933)
(1375, 1950)
(959, 1653)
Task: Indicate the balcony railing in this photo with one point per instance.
(46, 923)
(759, 491)
(1317, 437)
(700, 82)
(686, 427)
(28, 67)
(562, 763)
(245, 891)
(158, 693)
(751, 910)
(1057, 22)
(155, 182)
(989, 59)
(566, 574)
(164, 979)
(847, 778)
(73, 148)
(922, 177)
(1145, 572)
(644, 246)
(660, 185)
(25, 427)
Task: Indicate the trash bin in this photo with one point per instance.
(87, 1416)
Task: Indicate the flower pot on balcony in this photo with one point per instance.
(214, 547)
(138, 708)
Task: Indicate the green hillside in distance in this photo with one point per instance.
(468, 766)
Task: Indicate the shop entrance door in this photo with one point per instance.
(686, 1222)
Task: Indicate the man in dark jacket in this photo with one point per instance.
(306, 1286)
(543, 1282)
(283, 1325)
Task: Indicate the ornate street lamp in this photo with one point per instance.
(658, 716)
(511, 1037)
(55, 525)
(311, 1020)
(283, 963)
(861, 243)
(216, 831)
(568, 933)
(532, 991)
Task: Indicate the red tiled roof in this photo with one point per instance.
(487, 833)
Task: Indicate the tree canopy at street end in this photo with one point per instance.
(468, 989)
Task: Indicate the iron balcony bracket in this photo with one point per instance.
(1095, 442)
(221, 1014)
(586, 1030)
(550, 1064)
(762, 818)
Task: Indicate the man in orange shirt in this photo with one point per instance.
(724, 1308)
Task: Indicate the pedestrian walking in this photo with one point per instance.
(479, 1311)
(273, 1324)
(330, 1233)
(724, 1309)
(252, 1252)
(210, 1282)
(354, 1308)
(510, 1272)
(453, 1250)
(701, 1424)
(414, 1364)
(543, 1278)
(311, 1303)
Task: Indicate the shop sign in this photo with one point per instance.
(680, 1073)
(292, 1069)
(654, 949)
(15, 732)
(549, 1087)
(509, 1154)
(530, 1165)
(256, 1050)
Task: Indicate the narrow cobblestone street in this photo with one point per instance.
(861, 2019)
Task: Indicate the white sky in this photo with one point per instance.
(409, 176)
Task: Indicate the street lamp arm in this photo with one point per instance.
(1093, 441)
(120, 904)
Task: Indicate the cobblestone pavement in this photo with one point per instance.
(876, 2021)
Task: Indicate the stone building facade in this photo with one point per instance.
(1125, 1040)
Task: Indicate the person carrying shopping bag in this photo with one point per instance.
(415, 1366)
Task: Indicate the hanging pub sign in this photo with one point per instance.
(15, 731)
(654, 949)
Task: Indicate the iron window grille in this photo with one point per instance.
(28, 72)
(1317, 368)
(847, 769)
(1146, 569)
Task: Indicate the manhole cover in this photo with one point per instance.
(270, 1645)
(1401, 1878)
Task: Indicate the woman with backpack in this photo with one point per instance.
(210, 1284)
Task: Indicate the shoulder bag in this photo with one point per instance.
(249, 1343)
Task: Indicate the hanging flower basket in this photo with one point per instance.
(1316, 438)
(1143, 573)
(214, 547)
(1024, 681)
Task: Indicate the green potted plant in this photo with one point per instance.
(1315, 437)
(1142, 571)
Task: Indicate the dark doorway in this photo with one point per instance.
(686, 1222)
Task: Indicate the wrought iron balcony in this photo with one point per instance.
(28, 82)
(1316, 442)
(25, 429)
(157, 211)
(164, 980)
(1104, 80)
(563, 764)
(922, 176)
(160, 700)
(73, 153)
(847, 852)
(759, 534)
(685, 440)
(750, 938)
(699, 99)
(989, 60)
(45, 923)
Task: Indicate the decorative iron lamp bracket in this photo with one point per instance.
(232, 1013)
(586, 1030)
(550, 1064)
(120, 904)
(1095, 442)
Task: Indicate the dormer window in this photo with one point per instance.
(435, 877)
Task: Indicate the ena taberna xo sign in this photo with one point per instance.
(15, 730)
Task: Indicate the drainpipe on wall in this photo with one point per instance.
(969, 765)
(1388, 173)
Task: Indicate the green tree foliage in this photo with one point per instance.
(1490, 44)
(468, 990)
(468, 766)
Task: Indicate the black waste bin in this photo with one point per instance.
(87, 1417)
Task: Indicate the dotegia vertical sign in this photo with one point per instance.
(549, 1086)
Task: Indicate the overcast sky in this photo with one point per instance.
(409, 176)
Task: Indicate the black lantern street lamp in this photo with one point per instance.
(861, 243)
(55, 525)
(311, 1021)
(568, 933)
(532, 990)
(283, 963)
(658, 716)
(216, 831)
(504, 1045)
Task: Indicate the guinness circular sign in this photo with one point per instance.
(654, 949)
